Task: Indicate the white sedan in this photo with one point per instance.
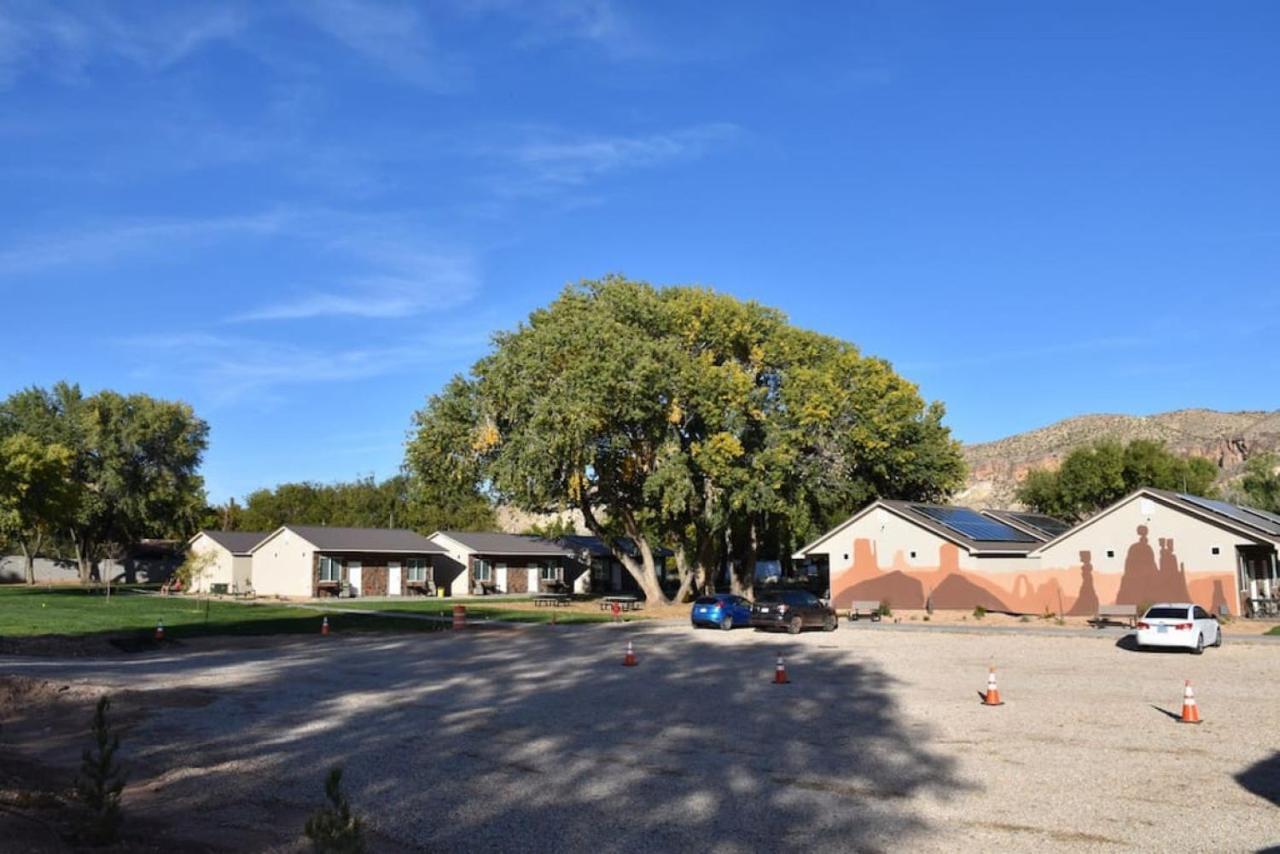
(1179, 624)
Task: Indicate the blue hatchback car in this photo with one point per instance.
(721, 611)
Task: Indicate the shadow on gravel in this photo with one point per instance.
(540, 740)
(1263, 779)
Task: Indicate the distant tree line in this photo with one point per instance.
(91, 475)
(1096, 476)
(397, 502)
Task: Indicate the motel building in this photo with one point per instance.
(1151, 546)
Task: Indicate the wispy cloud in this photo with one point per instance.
(105, 243)
(381, 266)
(549, 160)
(389, 35)
(411, 283)
(600, 23)
(230, 368)
(64, 39)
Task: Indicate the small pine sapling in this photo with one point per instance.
(334, 829)
(100, 782)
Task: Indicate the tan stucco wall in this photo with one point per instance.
(221, 571)
(1116, 531)
(883, 557)
(282, 566)
(460, 555)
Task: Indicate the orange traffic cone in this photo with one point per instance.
(992, 697)
(324, 626)
(629, 660)
(159, 630)
(1190, 711)
(780, 673)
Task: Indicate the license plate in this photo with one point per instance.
(1161, 629)
(764, 610)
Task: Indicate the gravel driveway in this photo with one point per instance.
(538, 740)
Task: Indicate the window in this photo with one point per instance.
(599, 571)
(483, 570)
(548, 573)
(1214, 550)
(330, 569)
(418, 568)
(1110, 553)
(913, 554)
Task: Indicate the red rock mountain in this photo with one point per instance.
(1228, 438)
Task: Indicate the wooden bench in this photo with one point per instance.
(1111, 613)
(865, 606)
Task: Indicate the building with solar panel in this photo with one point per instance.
(1161, 546)
(1152, 546)
(910, 555)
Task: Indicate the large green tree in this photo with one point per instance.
(37, 497)
(134, 464)
(682, 416)
(1098, 475)
(1260, 485)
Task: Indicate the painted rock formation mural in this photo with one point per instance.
(1150, 575)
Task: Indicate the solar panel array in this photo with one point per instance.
(974, 525)
(1046, 524)
(1259, 519)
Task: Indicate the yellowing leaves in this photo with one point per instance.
(486, 438)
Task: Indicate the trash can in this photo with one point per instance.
(459, 616)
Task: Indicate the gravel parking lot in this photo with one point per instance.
(537, 739)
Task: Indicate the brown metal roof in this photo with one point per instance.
(236, 542)
(496, 543)
(365, 539)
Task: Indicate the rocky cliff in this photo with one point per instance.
(1227, 438)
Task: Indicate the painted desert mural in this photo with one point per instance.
(1152, 573)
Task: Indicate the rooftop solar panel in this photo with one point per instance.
(975, 526)
(1259, 519)
(1049, 525)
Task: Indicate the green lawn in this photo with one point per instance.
(1275, 630)
(513, 610)
(73, 611)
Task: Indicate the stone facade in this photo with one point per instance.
(375, 574)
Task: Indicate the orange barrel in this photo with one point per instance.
(459, 616)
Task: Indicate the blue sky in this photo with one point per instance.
(303, 217)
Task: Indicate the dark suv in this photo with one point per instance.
(792, 610)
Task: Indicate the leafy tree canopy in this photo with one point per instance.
(1096, 476)
(1260, 485)
(361, 503)
(684, 416)
(134, 463)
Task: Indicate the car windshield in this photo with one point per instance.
(769, 597)
(1166, 613)
(706, 600)
(800, 598)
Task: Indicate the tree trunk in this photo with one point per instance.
(29, 553)
(644, 570)
(744, 579)
(84, 560)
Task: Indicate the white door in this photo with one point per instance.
(393, 578)
(500, 577)
(533, 579)
(354, 569)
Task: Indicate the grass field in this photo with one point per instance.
(513, 610)
(74, 611)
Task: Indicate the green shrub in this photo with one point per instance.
(884, 610)
(1024, 619)
(100, 782)
(979, 612)
(333, 829)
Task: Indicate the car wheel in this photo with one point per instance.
(726, 622)
(1199, 650)
(795, 625)
(829, 624)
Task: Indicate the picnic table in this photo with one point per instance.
(550, 599)
(625, 603)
